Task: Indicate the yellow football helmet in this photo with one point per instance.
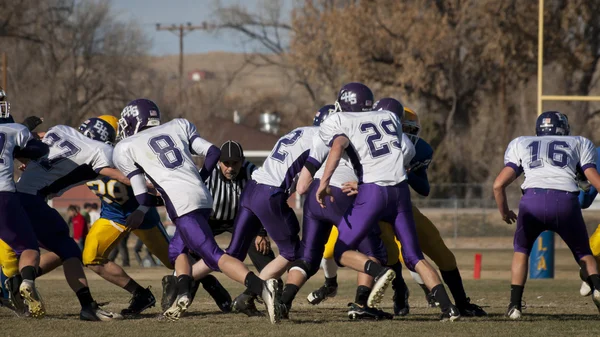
(112, 120)
(410, 125)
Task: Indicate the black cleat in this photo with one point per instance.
(94, 312)
(169, 291)
(471, 310)
(140, 301)
(321, 294)
(216, 290)
(13, 284)
(431, 302)
(357, 312)
(284, 310)
(401, 307)
(245, 304)
(452, 314)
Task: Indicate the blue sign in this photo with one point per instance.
(541, 260)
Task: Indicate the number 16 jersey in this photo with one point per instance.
(550, 162)
(164, 154)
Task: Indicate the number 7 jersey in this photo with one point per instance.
(550, 162)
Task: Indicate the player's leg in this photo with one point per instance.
(10, 268)
(435, 248)
(330, 267)
(586, 289)
(53, 234)
(394, 261)
(406, 232)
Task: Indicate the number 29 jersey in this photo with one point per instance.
(163, 154)
(286, 158)
(118, 202)
(378, 149)
(550, 162)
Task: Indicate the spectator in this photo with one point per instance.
(93, 213)
(79, 225)
(85, 212)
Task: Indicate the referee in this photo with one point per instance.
(225, 184)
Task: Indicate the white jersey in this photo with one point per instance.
(12, 136)
(550, 162)
(287, 158)
(378, 149)
(164, 154)
(343, 173)
(73, 160)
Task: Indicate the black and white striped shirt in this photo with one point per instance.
(226, 193)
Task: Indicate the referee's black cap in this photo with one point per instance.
(231, 151)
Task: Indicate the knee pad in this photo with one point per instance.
(303, 267)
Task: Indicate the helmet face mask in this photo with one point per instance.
(4, 105)
(411, 125)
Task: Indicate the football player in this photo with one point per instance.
(163, 153)
(74, 158)
(550, 161)
(379, 152)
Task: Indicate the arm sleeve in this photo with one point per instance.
(511, 157)
(588, 156)
(586, 198)
(419, 182)
(124, 163)
(23, 137)
(330, 129)
(408, 149)
(138, 184)
(33, 150)
(210, 162)
(317, 155)
(103, 158)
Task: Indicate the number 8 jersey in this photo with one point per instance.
(164, 154)
(378, 149)
(550, 162)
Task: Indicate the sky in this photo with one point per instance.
(147, 13)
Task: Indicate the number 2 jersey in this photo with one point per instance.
(378, 149)
(73, 159)
(118, 202)
(550, 162)
(12, 137)
(164, 154)
(287, 158)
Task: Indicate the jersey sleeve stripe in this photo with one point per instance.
(98, 169)
(587, 166)
(334, 137)
(135, 172)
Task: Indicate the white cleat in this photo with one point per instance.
(382, 282)
(585, 289)
(596, 299)
(32, 299)
(514, 312)
(180, 306)
(271, 300)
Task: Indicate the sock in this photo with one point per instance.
(133, 287)
(254, 283)
(39, 271)
(330, 267)
(208, 281)
(184, 284)
(516, 294)
(85, 297)
(454, 282)
(595, 281)
(373, 268)
(362, 295)
(425, 290)
(441, 296)
(289, 293)
(331, 281)
(398, 284)
(28, 273)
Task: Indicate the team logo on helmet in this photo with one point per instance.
(98, 129)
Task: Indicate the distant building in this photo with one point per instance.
(198, 75)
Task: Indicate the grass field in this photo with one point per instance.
(554, 308)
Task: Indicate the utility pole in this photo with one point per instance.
(182, 30)
(4, 71)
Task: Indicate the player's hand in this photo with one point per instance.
(263, 244)
(350, 188)
(135, 219)
(32, 122)
(509, 217)
(22, 167)
(322, 193)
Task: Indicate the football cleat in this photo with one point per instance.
(357, 312)
(140, 301)
(285, 311)
(94, 312)
(219, 294)
(514, 311)
(271, 297)
(381, 283)
(32, 299)
(596, 299)
(169, 292)
(245, 304)
(471, 310)
(178, 308)
(13, 285)
(585, 289)
(451, 314)
(401, 307)
(321, 294)
(431, 302)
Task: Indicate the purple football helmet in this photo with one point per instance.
(98, 129)
(390, 104)
(354, 97)
(323, 113)
(552, 123)
(137, 115)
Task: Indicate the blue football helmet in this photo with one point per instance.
(98, 129)
(390, 104)
(552, 123)
(137, 115)
(323, 113)
(354, 97)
